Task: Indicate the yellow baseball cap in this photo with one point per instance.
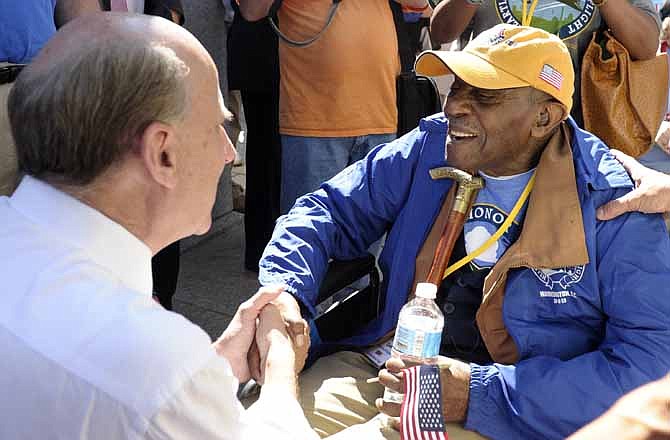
(505, 57)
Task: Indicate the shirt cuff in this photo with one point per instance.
(481, 410)
(277, 406)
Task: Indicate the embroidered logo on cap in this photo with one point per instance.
(497, 38)
(551, 76)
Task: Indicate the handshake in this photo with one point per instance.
(267, 340)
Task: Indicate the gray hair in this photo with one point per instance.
(73, 120)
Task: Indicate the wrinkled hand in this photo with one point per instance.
(651, 193)
(454, 380)
(290, 312)
(393, 378)
(297, 328)
(235, 342)
(272, 329)
(663, 136)
(642, 414)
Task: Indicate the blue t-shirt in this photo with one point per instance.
(490, 210)
(25, 26)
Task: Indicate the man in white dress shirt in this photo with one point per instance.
(119, 131)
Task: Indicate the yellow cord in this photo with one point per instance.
(501, 230)
(526, 15)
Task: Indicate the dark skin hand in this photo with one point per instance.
(454, 380)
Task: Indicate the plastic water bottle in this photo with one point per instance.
(417, 337)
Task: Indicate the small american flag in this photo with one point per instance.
(552, 76)
(421, 411)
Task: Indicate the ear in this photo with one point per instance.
(550, 113)
(157, 148)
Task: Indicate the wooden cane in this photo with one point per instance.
(467, 189)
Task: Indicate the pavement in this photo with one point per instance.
(212, 278)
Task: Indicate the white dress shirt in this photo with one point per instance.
(87, 353)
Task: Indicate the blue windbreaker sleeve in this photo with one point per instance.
(341, 219)
(549, 398)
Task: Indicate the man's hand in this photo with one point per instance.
(235, 342)
(67, 10)
(454, 380)
(418, 4)
(253, 10)
(278, 359)
(642, 414)
(272, 330)
(651, 193)
(290, 312)
(297, 328)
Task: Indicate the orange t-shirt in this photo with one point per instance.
(344, 83)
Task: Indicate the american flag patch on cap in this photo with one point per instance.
(421, 411)
(552, 76)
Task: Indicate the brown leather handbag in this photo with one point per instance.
(623, 101)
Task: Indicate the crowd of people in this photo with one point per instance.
(558, 330)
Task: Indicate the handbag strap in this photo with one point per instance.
(304, 43)
(405, 50)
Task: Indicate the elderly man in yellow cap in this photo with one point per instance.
(551, 321)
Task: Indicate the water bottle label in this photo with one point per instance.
(417, 343)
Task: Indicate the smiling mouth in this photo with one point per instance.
(456, 135)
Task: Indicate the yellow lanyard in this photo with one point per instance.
(526, 15)
(501, 230)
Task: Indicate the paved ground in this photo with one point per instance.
(212, 280)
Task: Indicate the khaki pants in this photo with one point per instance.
(337, 400)
(8, 162)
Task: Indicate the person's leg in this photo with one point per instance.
(8, 162)
(309, 161)
(263, 168)
(338, 401)
(334, 393)
(363, 145)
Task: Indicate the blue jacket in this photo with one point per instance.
(577, 311)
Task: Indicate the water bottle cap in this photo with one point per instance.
(426, 290)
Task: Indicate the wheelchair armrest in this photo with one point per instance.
(343, 316)
(342, 273)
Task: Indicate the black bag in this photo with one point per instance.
(416, 95)
(416, 98)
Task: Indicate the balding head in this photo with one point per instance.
(80, 106)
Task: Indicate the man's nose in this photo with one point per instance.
(456, 104)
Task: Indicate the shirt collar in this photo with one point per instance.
(106, 242)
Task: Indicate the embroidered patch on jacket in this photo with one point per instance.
(562, 277)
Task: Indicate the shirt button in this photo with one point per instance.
(448, 308)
